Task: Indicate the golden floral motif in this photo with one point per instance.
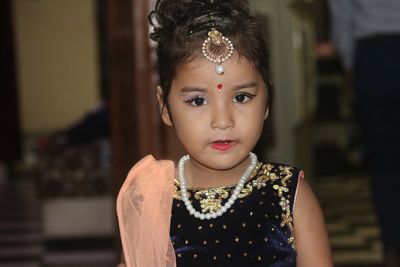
(287, 218)
(176, 192)
(246, 190)
(266, 175)
(280, 189)
(285, 173)
(211, 199)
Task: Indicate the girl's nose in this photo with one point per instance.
(222, 117)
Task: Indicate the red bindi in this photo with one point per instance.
(219, 86)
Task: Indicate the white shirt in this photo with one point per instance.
(356, 19)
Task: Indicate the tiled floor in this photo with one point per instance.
(21, 241)
(351, 223)
(345, 201)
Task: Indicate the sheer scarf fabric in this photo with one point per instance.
(144, 206)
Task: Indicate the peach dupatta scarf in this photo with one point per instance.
(144, 206)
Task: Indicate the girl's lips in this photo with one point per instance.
(223, 145)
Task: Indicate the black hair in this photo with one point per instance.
(181, 26)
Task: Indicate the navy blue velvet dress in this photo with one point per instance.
(256, 231)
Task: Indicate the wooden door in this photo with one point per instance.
(10, 137)
(135, 121)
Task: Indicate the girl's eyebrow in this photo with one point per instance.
(193, 89)
(245, 85)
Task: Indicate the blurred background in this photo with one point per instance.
(78, 109)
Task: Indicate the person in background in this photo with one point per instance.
(366, 34)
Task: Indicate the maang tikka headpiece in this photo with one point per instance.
(217, 48)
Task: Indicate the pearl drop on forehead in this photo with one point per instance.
(219, 69)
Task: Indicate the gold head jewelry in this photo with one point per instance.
(217, 49)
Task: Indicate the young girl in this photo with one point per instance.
(220, 206)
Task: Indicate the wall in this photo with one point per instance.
(292, 91)
(278, 15)
(57, 62)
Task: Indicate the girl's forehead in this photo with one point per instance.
(199, 69)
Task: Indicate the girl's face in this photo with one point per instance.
(217, 118)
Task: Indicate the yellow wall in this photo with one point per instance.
(57, 55)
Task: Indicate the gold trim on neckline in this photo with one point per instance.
(251, 177)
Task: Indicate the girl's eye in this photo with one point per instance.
(242, 98)
(197, 101)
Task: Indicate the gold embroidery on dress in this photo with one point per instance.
(285, 174)
(287, 218)
(280, 189)
(265, 176)
(246, 190)
(211, 198)
(176, 193)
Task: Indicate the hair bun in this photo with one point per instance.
(169, 15)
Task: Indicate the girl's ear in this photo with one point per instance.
(163, 108)
(266, 114)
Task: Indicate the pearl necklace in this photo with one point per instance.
(231, 200)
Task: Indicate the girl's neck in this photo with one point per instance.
(200, 176)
